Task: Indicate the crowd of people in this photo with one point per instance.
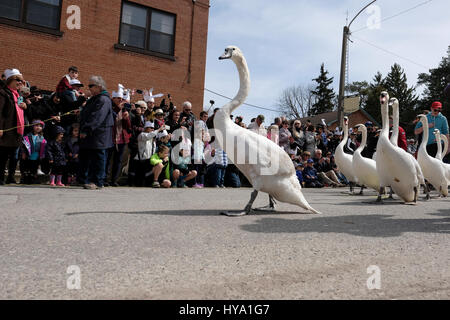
(94, 138)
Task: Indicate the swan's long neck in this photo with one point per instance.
(363, 139)
(444, 138)
(424, 121)
(385, 120)
(345, 138)
(396, 120)
(439, 146)
(244, 89)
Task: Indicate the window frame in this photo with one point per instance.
(146, 50)
(22, 23)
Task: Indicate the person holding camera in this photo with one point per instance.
(122, 130)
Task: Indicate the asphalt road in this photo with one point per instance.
(173, 244)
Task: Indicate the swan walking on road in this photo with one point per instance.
(344, 160)
(439, 154)
(395, 168)
(433, 169)
(365, 169)
(272, 171)
(394, 140)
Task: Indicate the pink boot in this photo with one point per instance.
(52, 180)
(59, 183)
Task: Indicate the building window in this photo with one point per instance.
(41, 13)
(148, 29)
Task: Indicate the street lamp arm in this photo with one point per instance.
(360, 12)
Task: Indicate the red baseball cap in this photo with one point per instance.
(436, 105)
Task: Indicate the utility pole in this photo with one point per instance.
(340, 118)
(346, 35)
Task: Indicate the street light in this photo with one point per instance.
(343, 57)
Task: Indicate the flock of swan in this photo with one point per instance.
(393, 166)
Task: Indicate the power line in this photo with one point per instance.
(392, 53)
(396, 15)
(247, 104)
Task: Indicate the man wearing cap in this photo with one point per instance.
(11, 122)
(146, 149)
(257, 126)
(436, 120)
(310, 176)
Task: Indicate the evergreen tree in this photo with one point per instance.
(372, 104)
(397, 86)
(323, 94)
(436, 81)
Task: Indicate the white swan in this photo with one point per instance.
(439, 154)
(433, 169)
(395, 168)
(444, 138)
(365, 169)
(344, 160)
(393, 102)
(272, 170)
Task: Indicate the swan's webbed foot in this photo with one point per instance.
(270, 207)
(379, 198)
(247, 210)
(361, 193)
(391, 194)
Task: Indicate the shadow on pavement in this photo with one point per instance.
(184, 213)
(380, 226)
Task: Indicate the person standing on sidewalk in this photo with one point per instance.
(11, 116)
(96, 133)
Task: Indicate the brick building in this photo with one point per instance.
(354, 118)
(139, 43)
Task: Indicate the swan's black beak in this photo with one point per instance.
(226, 55)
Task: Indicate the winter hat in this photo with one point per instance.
(162, 134)
(38, 122)
(310, 161)
(12, 72)
(149, 124)
(59, 130)
(141, 104)
(298, 164)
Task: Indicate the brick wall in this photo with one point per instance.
(44, 59)
(353, 119)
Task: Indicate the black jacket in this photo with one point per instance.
(8, 118)
(96, 121)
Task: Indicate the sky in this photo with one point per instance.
(286, 41)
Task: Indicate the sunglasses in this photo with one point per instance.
(92, 85)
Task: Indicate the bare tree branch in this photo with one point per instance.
(295, 102)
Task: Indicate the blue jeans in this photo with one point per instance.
(92, 166)
(216, 174)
